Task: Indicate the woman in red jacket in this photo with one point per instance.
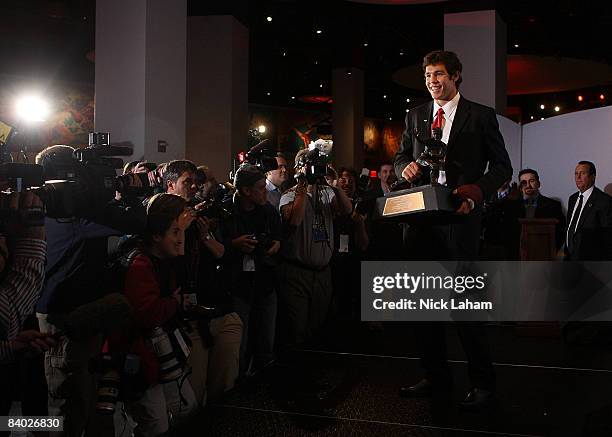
(151, 289)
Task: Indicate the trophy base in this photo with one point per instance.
(432, 204)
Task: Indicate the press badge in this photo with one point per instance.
(344, 243)
(248, 263)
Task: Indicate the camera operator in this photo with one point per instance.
(351, 241)
(216, 340)
(252, 235)
(308, 211)
(151, 287)
(75, 275)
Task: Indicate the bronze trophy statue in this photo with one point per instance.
(413, 201)
(434, 155)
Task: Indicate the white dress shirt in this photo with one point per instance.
(585, 198)
(449, 115)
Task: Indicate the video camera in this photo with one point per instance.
(76, 186)
(315, 161)
(262, 156)
(218, 204)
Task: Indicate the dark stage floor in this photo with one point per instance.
(545, 388)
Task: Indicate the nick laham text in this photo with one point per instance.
(432, 304)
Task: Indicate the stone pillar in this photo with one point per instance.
(347, 116)
(479, 38)
(217, 91)
(140, 75)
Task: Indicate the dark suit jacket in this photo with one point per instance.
(474, 142)
(593, 236)
(515, 209)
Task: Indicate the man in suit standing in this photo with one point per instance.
(531, 204)
(474, 143)
(589, 213)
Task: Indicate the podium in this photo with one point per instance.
(538, 239)
(538, 244)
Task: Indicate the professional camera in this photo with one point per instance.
(81, 183)
(315, 161)
(264, 243)
(363, 200)
(262, 156)
(218, 205)
(119, 379)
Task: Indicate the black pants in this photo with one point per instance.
(473, 336)
(459, 241)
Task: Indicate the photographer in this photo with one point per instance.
(351, 241)
(152, 289)
(307, 211)
(75, 275)
(216, 337)
(252, 236)
(22, 281)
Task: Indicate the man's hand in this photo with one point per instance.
(274, 248)
(245, 243)
(186, 218)
(412, 172)
(32, 342)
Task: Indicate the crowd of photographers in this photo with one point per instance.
(159, 300)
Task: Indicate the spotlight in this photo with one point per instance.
(407, 100)
(390, 118)
(319, 31)
(384, 96)
(32, 109)
(516, 46)
(541, 118)
(261, 129)
(268, 93)
(557, 109)
(532, 117)
(269, 18)
(321, 85)
(407, 110)
(542, 106)
(292, 97)
(365, 44)
(580, 98)
(602, 97)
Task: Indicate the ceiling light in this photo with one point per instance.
(319, 31)
(365, 44)
(292, 97)
(542, 106)
(261, 128)
(516, 46)
(390, 119)
(407, 100)
(269, 18)
(557, 109)
(407, 110)
(401, 53)
(268, 93)
(384, 96)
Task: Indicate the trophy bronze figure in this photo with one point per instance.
(411, 202)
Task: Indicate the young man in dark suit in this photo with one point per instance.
(589, 214)
(474, 143)
(531, 204)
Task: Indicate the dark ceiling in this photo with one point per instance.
(288, 58)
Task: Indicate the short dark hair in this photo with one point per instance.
(592, 170)
(349, 171)
(531, 171)
(247, 175)
(450, 60)
(174, 170)
(162, 210)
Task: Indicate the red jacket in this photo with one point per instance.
(151, 307)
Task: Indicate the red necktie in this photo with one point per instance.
(439, 120)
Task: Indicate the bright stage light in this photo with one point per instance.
(262, 129)
(32, 108)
